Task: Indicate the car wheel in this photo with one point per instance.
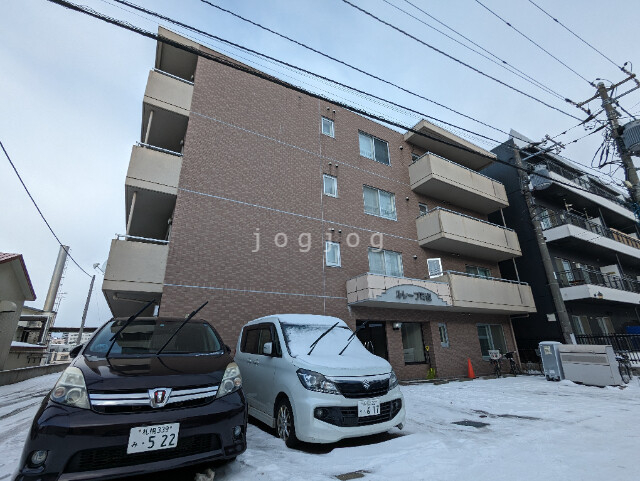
(284, 424)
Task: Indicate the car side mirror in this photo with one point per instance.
(75, 351)
(267, 348)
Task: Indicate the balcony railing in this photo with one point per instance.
(581, 181)
(581, 276)
(551, 218)
(628, 344)
(499, 279)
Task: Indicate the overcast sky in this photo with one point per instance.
(71, 90)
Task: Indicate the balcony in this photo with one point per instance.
(469, 155)
(134, 274)
(581, 193)
(453, 292)
(151, 188)
(437, 177)
(452, 232)
(586, 284)
(490, 295)
(175, 61)
(573, 231)
(169, 92)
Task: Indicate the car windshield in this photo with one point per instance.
(147, 336)
(298, 338)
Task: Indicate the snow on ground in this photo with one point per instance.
(536, 430)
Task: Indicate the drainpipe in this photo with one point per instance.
(133, 203)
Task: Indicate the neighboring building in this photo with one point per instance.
(228, 160)
(23, 354)
(15, 289)
(592, 238)
(32, 324)
(70, 334)
(59, 351)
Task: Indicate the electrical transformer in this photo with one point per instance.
(631, 137)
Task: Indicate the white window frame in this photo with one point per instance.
(444, 334)
(384, 261)
(373, 148)
(379, 214)
(332, 134)
(335, 182)
(436, 273)
(327, 244)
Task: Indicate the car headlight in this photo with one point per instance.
(393, 380)
(231, 381)
(71, 389)
(314, 381)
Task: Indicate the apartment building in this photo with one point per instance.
(264, 200)
(592, 238)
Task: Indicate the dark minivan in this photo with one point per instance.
(144, 395)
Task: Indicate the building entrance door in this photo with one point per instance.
(374, 337)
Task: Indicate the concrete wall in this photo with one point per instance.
(11, 302)
(136, 266)
(17, 375)
(154, 170)
(479, 293)
(168, 93)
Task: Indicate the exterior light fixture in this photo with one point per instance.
(415, 256)
(599, 295)
(396, 325)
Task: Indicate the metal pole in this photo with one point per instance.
(133, 203)
(513, 259)
(561, 310)
(86, 308)
(630, 171)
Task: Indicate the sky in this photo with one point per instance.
(71, 90)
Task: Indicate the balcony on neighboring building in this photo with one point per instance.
(173, 60)
(452, 232)
(440, 178)
(573, 231)
(564, 186)
(134, 274)
(151, 188)
(581, 284)
(450, 146)
(453, 291)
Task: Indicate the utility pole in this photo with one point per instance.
(86, 308)
(558, 302)
(630, 170)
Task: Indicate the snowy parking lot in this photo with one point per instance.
(531, 429)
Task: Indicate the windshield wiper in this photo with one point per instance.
(189, 317)
(315, 343)
(128, 321)
(352, 336)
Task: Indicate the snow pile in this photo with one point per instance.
(534, 430)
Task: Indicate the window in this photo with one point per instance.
(581, 325)
(566, 274)
(330, 185)
(332, 253)
(412, 343)
(423, 209)
(385, 262)
(327, 127)
(491, 337)
(415, 156)
(379, 202)
(444, 335)
(545, 220)
(255, 337)
(479, 271)
(373, 148)
(435, 267)
(605, 325)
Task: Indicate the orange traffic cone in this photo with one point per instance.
(471, 374)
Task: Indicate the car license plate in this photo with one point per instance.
(368, 407)
(152, 438)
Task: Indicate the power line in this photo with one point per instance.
(253, 72)
(497, 60)
(384, 22)
(38, 209)
(535, 43)
(571, 32)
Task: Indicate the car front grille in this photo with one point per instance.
(140, 401)
(358, 389)
(348, 416)
(116, 456)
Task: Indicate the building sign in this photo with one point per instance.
(411, 295)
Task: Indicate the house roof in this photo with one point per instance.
(21, 273)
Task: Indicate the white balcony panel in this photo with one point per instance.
(598, 242)
(442, 179)
(168, 93)
(489, 295)
(599, 293)
(153, 170)
(452, 232)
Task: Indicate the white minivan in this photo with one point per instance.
(309, 377)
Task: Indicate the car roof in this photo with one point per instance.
(302, 319)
